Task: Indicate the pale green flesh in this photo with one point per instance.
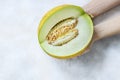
(84, 26)
(74, 46)
(58, 16)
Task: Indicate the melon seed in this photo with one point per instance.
(63, 32)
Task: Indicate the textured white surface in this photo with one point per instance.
(21, 57)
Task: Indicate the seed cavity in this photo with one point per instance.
(63, 32)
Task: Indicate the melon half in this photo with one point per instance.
(65, 31)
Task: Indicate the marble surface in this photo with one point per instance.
(21, 57)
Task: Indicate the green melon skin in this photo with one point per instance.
(76, 46)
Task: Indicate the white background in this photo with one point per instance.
(21, 57)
